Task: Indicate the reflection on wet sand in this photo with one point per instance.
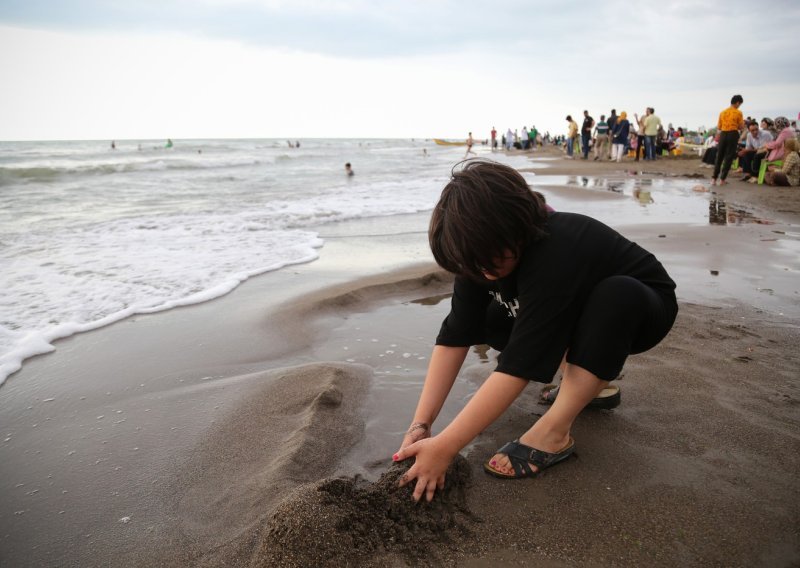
(720, 213)
(613, 185)
(663, 174)
(661, 198)
(717, 212)
(635, 186)
(643, 196)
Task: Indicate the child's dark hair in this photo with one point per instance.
(485, 210)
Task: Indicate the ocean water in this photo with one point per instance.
(90, 235)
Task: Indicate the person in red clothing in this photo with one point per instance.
(548, 290)
(730, 126)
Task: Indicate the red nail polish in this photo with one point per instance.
(493, 462)
(395, 457)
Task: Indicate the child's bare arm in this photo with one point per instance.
(434, 455)
(490, 401)
(442, 371)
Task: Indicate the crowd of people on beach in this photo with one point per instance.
(528, 140)
(609, 139)
(763, 152)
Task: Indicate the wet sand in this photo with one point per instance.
(256, 430)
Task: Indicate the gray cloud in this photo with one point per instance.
(676, 41)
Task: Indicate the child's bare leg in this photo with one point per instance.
(551, 432)
(562, 367)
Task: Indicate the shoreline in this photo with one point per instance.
(188, 422)
(778, 205)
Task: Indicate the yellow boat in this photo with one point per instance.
(441, 142)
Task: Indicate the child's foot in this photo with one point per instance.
(548, 443)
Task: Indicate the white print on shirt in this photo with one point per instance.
(511, 306)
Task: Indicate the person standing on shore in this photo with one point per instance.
(729, 124)
(470, 142)
(612, 122)
(651, 125)
(509, 139)
(601, 138)
(514, 291)
(586, 134)
(640, 134)
(621, 131)
(494, 139)
(572, 135)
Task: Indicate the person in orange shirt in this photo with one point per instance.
(730, 124)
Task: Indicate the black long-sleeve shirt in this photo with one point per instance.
(543, 297)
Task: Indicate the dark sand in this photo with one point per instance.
(217, 435)
(351, 521)
(698, 466)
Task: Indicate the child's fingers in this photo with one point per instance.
(420, 487)
(405, 453)
(408, 476)
(429, 491)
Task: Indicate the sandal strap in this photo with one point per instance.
(521, 467)
(518, 452)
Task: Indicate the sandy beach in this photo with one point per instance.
(257, 429)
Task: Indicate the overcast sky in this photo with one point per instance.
(107, 69)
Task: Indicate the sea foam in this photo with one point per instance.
(89, 236)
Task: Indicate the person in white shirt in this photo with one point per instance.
(750, 157)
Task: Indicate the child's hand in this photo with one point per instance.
(416, 432)
(431, 463)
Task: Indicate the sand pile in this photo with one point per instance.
(351, 522)
(288, 432)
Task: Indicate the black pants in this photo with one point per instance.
(640, 146)
(622, 316)
(746, 162)
(755, 165)
(726, 151)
